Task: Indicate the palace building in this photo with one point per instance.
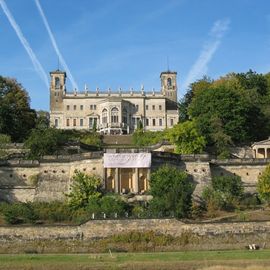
(111, 112)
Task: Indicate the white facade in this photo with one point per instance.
(113, 112)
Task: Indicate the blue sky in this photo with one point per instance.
(125, 43)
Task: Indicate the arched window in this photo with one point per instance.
(114, 115)
(104, 116)
(57, 82)
(169, 82)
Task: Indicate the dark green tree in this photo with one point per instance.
(172, 192)
(44, 142)
(239, 118)
(193, 88)
(16, 117)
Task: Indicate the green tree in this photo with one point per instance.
(172, 192)
(187, 138)
(44, 142)
(263, 186)
(193, 88)
(240, 119)
(16, 117)
(224, 192)
(84, 188)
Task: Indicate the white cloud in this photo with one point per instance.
(200, 67)
(37, 65)
(55, 46)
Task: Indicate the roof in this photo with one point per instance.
(264, 142)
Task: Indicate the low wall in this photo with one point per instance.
(84, 238)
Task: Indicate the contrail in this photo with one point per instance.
(55, 46)
(200, 67)
(38, 67)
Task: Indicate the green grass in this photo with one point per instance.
(172, 260)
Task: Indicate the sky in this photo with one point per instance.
(127, 43)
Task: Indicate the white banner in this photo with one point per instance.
(127, 160)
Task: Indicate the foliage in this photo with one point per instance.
(187, 138)
(184, 103)
(43, 120)
(225, 192)
(16, 117)
(44, 142)
(146, 138)
(17, 213)
(263, 185)
(172, 191)
(83, 188)
(91, 139)
(4, 140)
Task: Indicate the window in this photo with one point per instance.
(169, 82)
(154, 122)
(133, 121)
(104, 116)
(57, 82)
(74, 107)
(160, 107)
(91, 107)
(171, 122)
(160, 122)
(67, 107)
(95, 107)
(147, 122)
(114, 115)
(81, 122)
(153, 107)
(91, 122)
(56, 122)
(67, 122)
(74, 122)
(137, 107)
(81, 107)
(146, 107)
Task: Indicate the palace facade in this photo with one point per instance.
(111, 112)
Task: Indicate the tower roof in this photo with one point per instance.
(57, 71)
(168, 72)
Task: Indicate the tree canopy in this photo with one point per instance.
(172, 192)
(84, 188)
(16, 116)
(186, 138)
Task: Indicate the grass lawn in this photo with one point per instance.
(236, 259)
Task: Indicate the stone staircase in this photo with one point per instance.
(117, 139)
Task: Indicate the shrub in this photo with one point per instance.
(83, 188)
(52, 211)
(146, 138)
(112, 204)
(263, 185)
(225, 192)
(172, 192)
(17, 213)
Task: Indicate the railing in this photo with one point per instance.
(112, 125)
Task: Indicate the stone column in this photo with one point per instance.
(136, 181)
(265, 152)
(105, 178)
(146, 185)
(116, 180)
